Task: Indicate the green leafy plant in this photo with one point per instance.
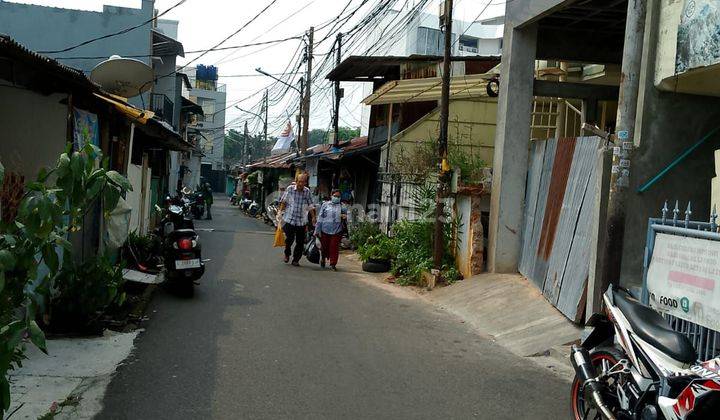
(414, 245)
(142, 249)
(34, 247)
(378, 247)
(420, 161)
(83, 291)
(361, 231)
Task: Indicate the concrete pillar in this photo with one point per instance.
(510, 164)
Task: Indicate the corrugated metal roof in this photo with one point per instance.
(163, 45)
(12, 49)
(278, 161)
(417, 90)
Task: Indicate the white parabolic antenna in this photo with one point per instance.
(125, 77)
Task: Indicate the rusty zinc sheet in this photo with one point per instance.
(558, 213)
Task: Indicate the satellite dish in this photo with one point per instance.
(125, 77)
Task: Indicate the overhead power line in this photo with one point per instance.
(120, 32)
(234, 47)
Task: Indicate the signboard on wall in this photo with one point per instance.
(684, 279)
(697, 40)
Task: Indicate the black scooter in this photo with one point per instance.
(181, 250)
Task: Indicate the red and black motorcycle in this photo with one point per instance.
(634, 366)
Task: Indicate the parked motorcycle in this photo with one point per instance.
(181, 250)
(271, 212)
(634, 366)
(196, 202)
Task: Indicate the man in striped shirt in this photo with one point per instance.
(295, 202)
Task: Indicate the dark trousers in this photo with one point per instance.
(331, 247)
(294, 234)
(208, 205)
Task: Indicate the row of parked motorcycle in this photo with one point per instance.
(177, 250)
(252, 208)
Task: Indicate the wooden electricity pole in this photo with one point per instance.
(624, 143)
(308, 85)
(338, 94)
(443, 184)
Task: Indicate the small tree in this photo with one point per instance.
(52, 207)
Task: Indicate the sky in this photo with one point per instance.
(204, 23)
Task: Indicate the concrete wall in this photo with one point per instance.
(471, 127)
(43, 28)
(668, 123)
(522, 12)
(469, 253)
(33, 130)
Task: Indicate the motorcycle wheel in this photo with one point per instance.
(602, 358)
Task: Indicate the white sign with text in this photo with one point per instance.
(684, 279)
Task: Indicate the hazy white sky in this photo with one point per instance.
(204, 23)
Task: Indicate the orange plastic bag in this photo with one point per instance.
(279, 237)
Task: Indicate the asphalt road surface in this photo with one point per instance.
(264, 340)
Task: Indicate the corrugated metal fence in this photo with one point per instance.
(559, 209)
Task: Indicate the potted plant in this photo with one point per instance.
(377, 253)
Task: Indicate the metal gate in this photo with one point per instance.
(705, 340)
(397, 200)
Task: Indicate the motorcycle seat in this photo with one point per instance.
(651, 327)
(182, 233)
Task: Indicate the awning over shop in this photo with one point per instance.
(138, 115)
(164, 136)
(417, 90)
(376, 68)
(162, 133)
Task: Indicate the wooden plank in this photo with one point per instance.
(538, 267)
(583, 160)
(573, 291)
(537, 157)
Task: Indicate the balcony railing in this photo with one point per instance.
(163, 107)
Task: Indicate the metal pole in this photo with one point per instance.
(338, 94)
(245, 141)
(300, 111)
(265, 120)
(622, 152)
(438, 243)
(308, 84)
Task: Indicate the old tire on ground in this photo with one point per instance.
(376, 266)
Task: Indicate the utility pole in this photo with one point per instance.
(438, 243)
(245, 142)
(301, 115)
(338, 94)
(265, 120)
(624, 141)
(308, 86)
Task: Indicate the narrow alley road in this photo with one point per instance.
(265, 340)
